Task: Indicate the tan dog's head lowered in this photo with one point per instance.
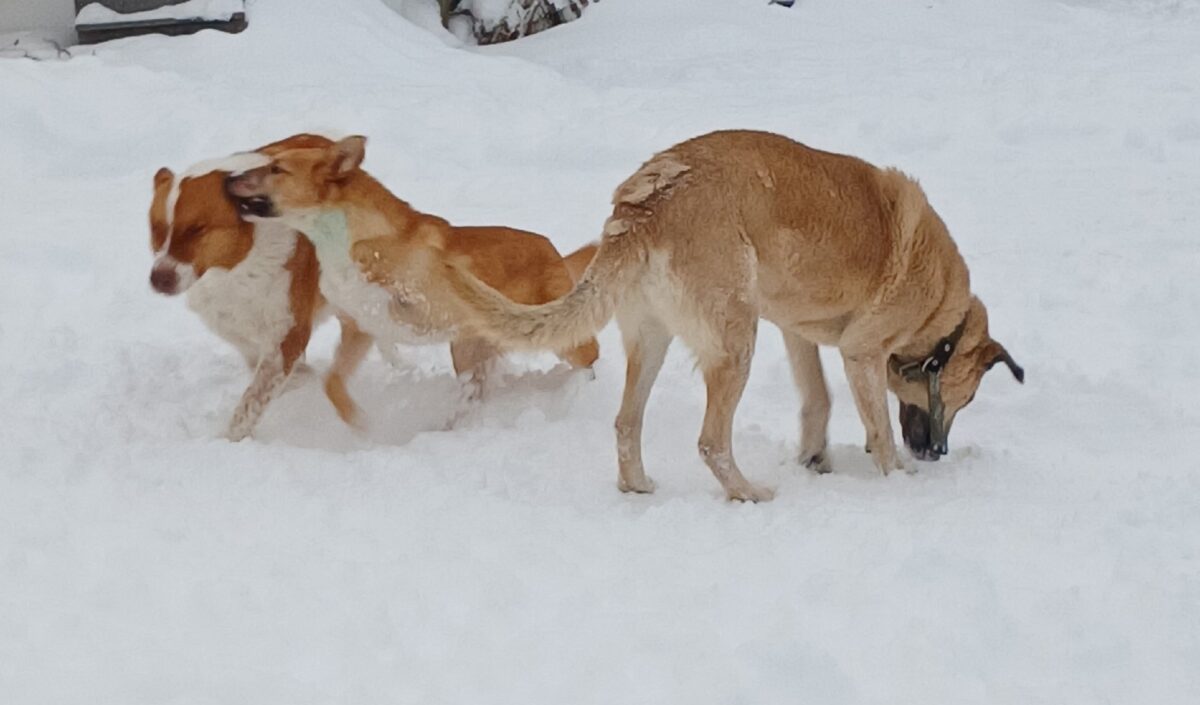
(295, 180)
(970, 357)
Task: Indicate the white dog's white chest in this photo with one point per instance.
(249, 305)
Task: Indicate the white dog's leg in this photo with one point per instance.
(269, 378)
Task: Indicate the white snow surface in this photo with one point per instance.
(208, 10)
(1053, 557)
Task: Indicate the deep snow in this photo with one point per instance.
(1052, 558)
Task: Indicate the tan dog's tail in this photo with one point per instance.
(577, 262)
(560, 324)
(619, 262)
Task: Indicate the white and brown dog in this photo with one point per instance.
(253, 284)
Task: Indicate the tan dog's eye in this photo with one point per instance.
(276, 169)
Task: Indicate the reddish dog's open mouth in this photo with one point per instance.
(257, 206)
(242, 187)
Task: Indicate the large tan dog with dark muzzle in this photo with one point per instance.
(730, 227)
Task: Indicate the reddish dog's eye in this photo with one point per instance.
(276, 169)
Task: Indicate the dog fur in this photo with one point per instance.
(389, 279)
(254, 285)
(577, 262)
(719, 231)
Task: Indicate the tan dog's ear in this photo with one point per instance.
(994, 352)
(347, 155)
(163, 176)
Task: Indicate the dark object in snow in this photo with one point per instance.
(94, 33)
(785, 3)
(524, 17)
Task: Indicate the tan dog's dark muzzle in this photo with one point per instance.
(917, 429)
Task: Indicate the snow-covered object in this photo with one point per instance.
(30, 45)
(1053, 558)
(206, 10)
(498, 21)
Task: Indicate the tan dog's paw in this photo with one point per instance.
(750, 493)
(889, 461)
(817, 462)
(643, 486)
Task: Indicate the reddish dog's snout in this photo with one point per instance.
(164, 280)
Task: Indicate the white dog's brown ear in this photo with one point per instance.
(163, 176)
(348, 155)
(995, 352)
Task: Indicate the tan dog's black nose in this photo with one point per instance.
(164, 280)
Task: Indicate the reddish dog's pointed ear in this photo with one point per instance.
(995, 352)
(163, 176)
(347, 155)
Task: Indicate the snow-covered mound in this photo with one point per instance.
(1053, 557)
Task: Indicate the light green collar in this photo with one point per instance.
(330, 235)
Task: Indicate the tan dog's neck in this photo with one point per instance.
(953, 301)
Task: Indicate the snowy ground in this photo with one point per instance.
(1054, 557)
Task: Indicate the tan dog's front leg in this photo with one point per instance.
(867, 375)
(814, 401)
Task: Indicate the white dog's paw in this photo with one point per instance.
(237, 433)
(750, 493)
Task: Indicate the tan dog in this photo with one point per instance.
(719, 231)
(255, 285)
(381, 260)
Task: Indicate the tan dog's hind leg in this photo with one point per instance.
(646, 342)
(351, 351)
(725, 375)
(867, 374)
(814, 401)
(473, 357)
(726, 379)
